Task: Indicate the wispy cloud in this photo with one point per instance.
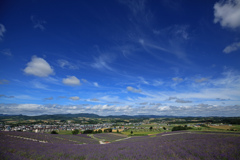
(4, 81)
(135, 6)
(39, 85)
(49, 98)
(2, 31)
(66, 64)
(95, 84)
(4, 96)
(102, 62)
(134, 90)
(38, 24)
(201, 80)
(232, 47)
(177, 79)
(227, 13)
(6, 52)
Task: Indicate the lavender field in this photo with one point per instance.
(174, 145)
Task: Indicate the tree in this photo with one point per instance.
(131, 132)
(178, 128)
(75, 131)
(117, 131)
(164, 128)
(99, 131)
(54, 132)
(151, 128)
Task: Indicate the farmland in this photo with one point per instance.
(169, 145)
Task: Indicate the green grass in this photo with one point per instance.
(64, 132)
(141, 132)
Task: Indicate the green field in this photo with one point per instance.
(64, 132)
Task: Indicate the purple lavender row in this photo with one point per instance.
(176, 146)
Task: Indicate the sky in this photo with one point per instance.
(120, 57)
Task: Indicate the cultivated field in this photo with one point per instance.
(172, 145)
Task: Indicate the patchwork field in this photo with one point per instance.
(172, 145)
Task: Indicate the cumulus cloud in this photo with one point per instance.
(227, 13)
(134, 90)
(71, 81)
(38, 67)
(2, 31)
(4, 81)
(75, 98)
(232, 47)
(38, 24)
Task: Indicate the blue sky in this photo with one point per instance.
(115, 57)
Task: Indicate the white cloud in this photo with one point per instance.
(233, 47)
(75, 98)
(134, 90)
(227, 13)
(38, 67)
(184, 110)
(38, 23)
(71, 81)
(2, 31)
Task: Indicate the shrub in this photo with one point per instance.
(75, 131)
(54, 132)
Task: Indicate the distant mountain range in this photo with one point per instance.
(87, 115)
